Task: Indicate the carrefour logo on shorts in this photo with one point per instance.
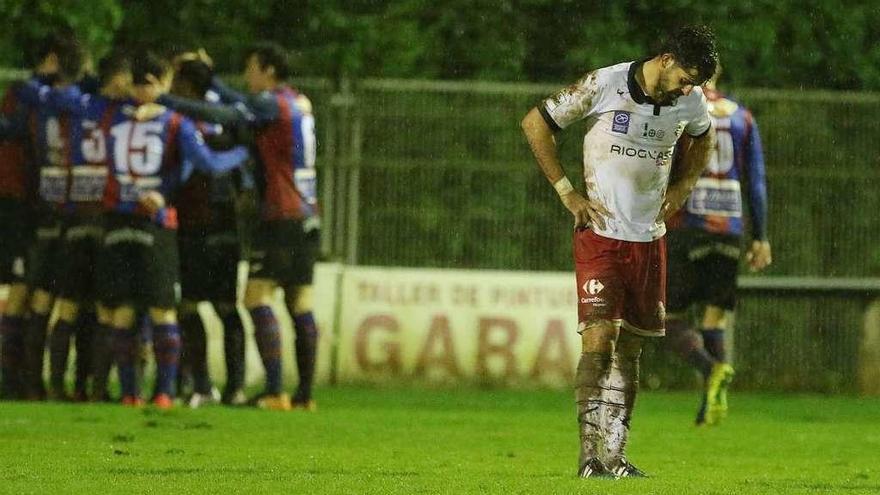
(620, 122)
(593, 287)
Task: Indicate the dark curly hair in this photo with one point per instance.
(271, 55)
(694, 48)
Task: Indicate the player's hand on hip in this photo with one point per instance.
(672, 202)
(586, 211)
(152, 202)
(759, 256)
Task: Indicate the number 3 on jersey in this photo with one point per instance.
(137, 147)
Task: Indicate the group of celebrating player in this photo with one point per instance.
(662, 146)
(119, 205)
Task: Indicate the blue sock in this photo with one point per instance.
(268, 337)
(166, 348)
(125, 349)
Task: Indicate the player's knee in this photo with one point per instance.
(105, 314)
(598, 335)
(715, 317)
(629, 345)
(300, 299)
(68, 310)
(163, 316)
(16, 300)
(122, 317)
(258, 292)
(41, 302)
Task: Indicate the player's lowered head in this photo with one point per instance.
(151, 77)
(266, 66)
(687, 59)
(58, 58)
(192, 79)
(114, 75)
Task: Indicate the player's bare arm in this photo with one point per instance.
(694, 161)
(543, 146)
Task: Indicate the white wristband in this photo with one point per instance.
(563, 186)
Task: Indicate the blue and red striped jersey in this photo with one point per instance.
(716, 203)
(135, 148)
(284, 134)
(15, 177)
(286, 145)
(146, 147)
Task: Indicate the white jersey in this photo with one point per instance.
(628, 145)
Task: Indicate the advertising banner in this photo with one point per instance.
(516, 328)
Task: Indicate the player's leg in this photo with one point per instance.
(300, 302)
(644, 315)
(713, 329)
(686, 287)
(258, 297)
(35, 332)
(84, 334)
(59, 346)
(166, 350)
(718, 381)
(270, 264)
(194, 354)
(620, 400)
(42, 278)
(193, 342)
(125, 352)
(16, 233)
(192, 254)
(233, 352)
(600, 292)
(161, 294)
(597, 347)
(119, 268)
(102, 355)
(12, 346)
(225, 259)
(721, 302)
(78, 284)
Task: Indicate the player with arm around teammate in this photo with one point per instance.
(635, 113)
(47, 134)
(704, 248)
(210, 254)
(146, 147)
(286, 241)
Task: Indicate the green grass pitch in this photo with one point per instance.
(374, 440)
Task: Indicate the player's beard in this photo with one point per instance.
(662, 95)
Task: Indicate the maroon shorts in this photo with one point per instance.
(621, 281)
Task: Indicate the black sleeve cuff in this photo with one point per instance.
(547, 118)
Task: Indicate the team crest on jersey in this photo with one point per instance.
(620, 122)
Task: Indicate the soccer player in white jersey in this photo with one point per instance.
(635, 112)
